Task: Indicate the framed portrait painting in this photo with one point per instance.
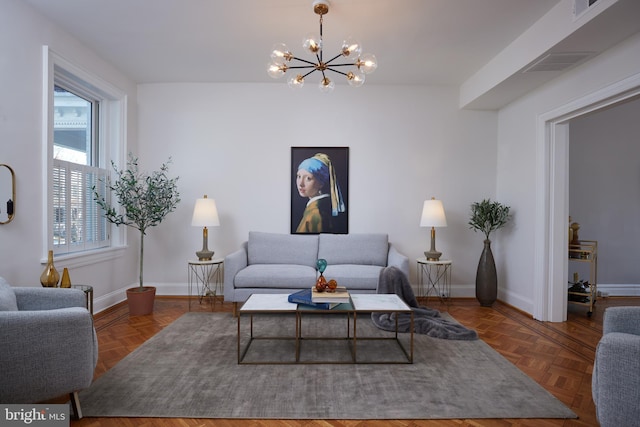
(319, 190)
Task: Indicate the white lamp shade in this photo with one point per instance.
(205, 213)
(433, 214)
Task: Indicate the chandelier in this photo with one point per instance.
(351, 51)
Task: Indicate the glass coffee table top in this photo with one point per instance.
(360, 302)
(268, 302)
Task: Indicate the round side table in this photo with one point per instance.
(207, 277)
(435, 276)
(88, 294)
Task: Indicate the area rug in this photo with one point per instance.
(190, 370)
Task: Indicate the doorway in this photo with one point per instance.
(552, 195)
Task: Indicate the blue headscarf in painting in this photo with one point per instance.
(319, 170)
(322, 169)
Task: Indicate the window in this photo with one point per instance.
(77, 223)
(85, 116)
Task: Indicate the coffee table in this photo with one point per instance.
(260, 304)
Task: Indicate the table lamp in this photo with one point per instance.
(205, 214)
(433, 216)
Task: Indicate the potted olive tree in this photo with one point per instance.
(487, 216)
(144, 200)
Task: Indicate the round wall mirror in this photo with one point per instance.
(7, 194)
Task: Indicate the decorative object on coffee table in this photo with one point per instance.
(339, 295)
(304, 297)
(487, 216)
(321, 281)
(146, 200)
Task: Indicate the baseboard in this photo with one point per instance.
(457, 291)
(163, 289)
(104, 302)
(613, 290)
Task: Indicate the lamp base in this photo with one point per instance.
(204, 255)
(432, 255)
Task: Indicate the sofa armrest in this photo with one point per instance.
(58, 345)
(622, 319)
(48, 298)
(616, 379)
(233, 263)
(396, 259)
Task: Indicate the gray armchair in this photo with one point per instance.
(48, 345)
(616, 373)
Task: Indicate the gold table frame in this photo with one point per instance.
(203, 276)
(359, 303)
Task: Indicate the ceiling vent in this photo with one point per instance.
(558, 61)
(581, 6)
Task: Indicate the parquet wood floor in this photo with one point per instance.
(559, 356)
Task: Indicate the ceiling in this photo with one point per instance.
(434, 42)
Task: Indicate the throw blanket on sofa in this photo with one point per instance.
(426, 321)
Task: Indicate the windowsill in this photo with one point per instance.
(82, 259)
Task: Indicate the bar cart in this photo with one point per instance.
(582, 292)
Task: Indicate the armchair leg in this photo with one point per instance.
(75, 405)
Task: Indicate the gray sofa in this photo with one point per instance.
(616, 372)
(48, 345)
(284, 263)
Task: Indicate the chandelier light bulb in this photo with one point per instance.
(313, 43)
(281, 54)
(296, 82)
(367, 63)
(276, 71)
(355, 79)
(351, 48)
(326, 85)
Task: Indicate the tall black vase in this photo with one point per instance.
(486, 277)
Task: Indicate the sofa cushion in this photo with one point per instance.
(272, 248)
(364, 249)
(7, 297)
(354, 276)
(276, 276)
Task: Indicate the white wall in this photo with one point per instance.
(232, 142)
(22, 36)
(516, 171)
(604, 192)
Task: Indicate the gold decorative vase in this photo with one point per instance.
(65, 282)
(50, 276)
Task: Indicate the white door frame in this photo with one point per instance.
(552, 191)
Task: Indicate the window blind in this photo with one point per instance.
(78, 223)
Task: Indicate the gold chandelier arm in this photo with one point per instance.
(301, 66)
(336, 71)
(312, 64)
(334, 58)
